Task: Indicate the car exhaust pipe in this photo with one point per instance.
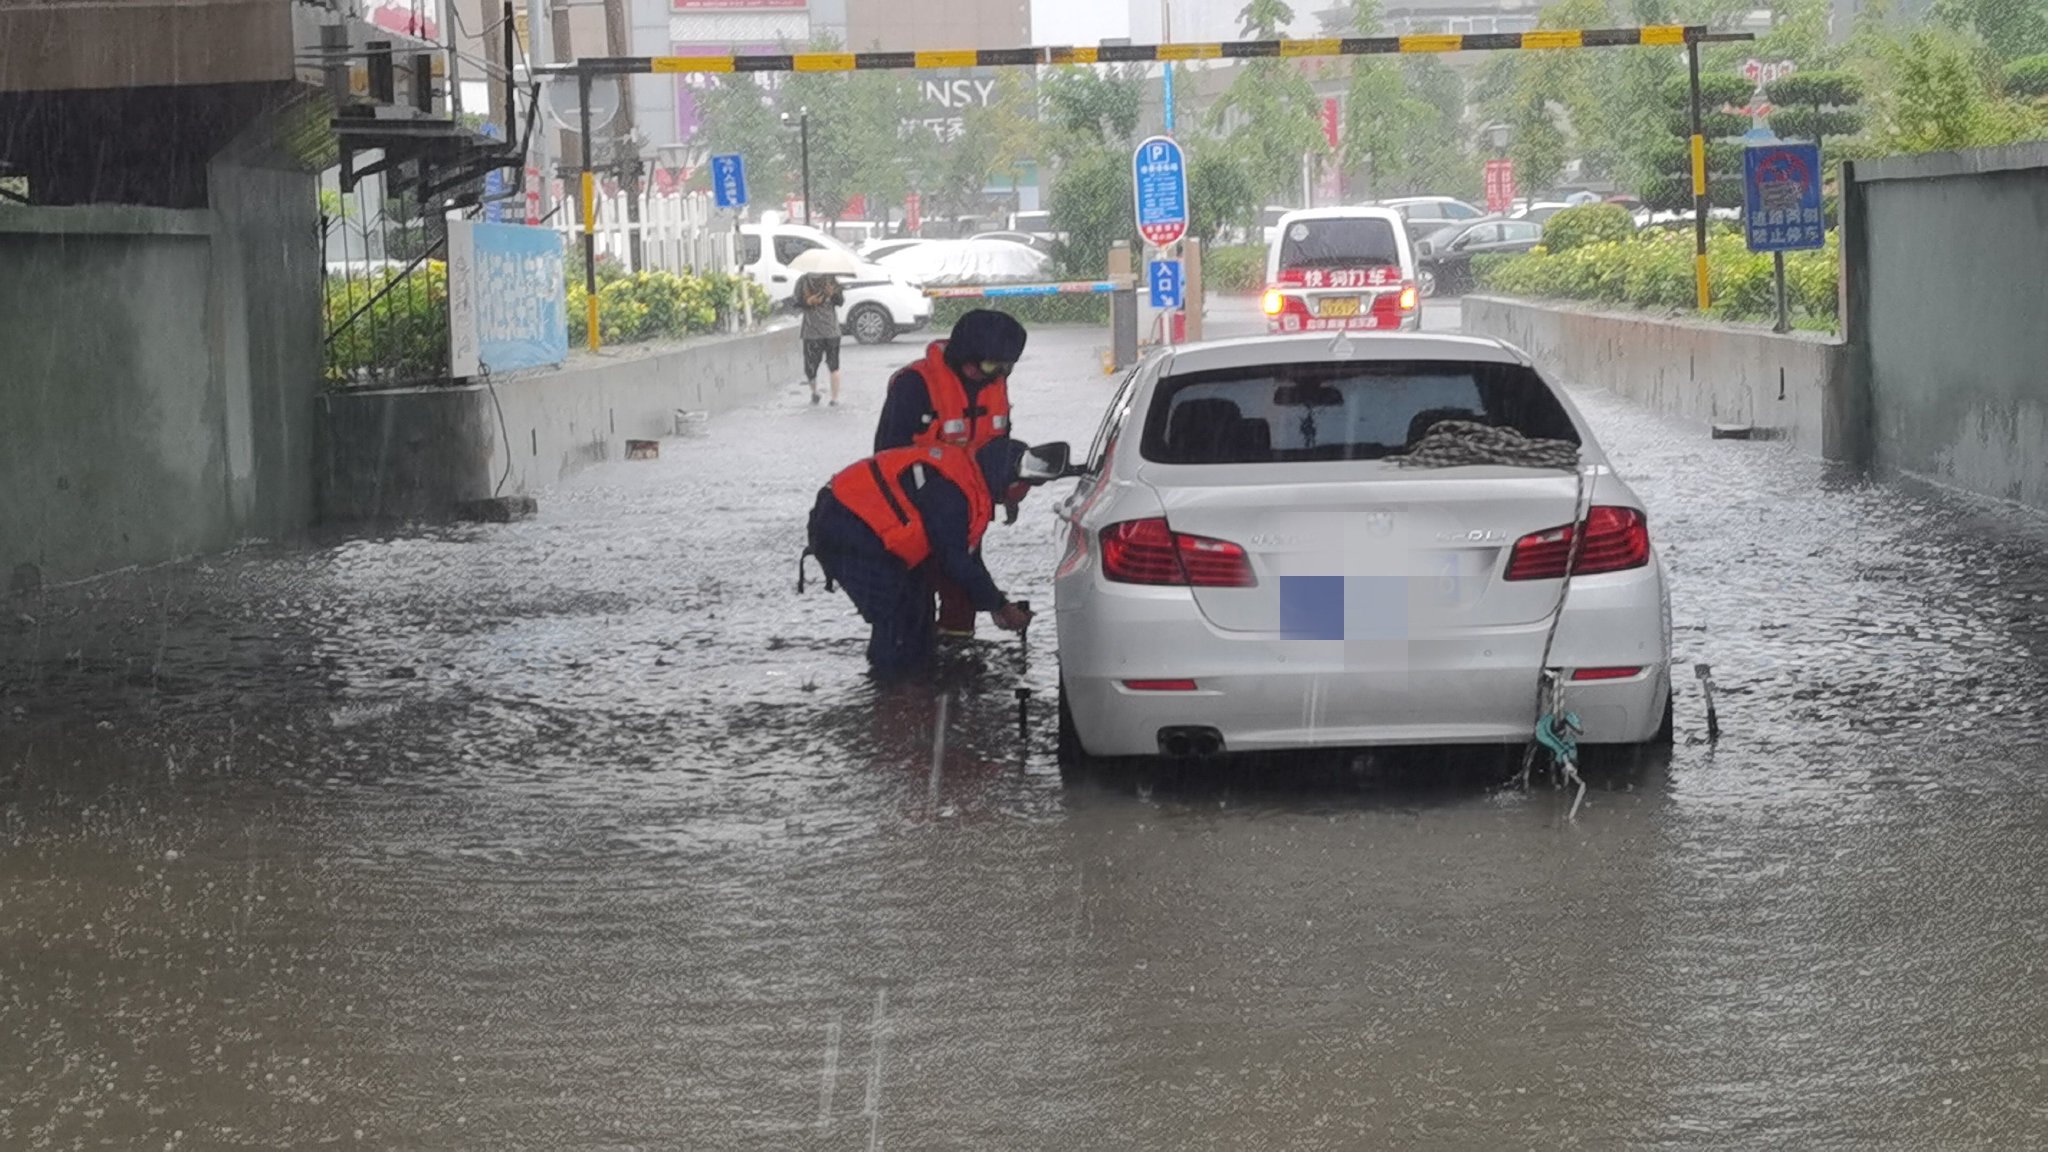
(1190, 743)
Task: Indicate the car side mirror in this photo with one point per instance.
(1044, 463)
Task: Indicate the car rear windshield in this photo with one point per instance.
(1272, 414)
(1358, 242)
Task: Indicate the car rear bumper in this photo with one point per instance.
(1472, 686)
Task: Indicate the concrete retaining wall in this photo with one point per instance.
(420, 453)
(157, 371)
(1795, 386)
(1945, 297)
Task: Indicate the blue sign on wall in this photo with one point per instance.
(1160, 185)
(1164, 276)
(1781, 197)
(729, 181)
(507, 299)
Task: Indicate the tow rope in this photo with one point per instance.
(1456, 443)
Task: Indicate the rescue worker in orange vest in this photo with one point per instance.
(888, 525)
(958, 394)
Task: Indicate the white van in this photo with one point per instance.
(880, 305)
(1349, 269)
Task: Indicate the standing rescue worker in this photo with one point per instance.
(884, 528)
(958, 394)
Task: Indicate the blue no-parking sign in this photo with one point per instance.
(1164, 276)
(729, 181)
(1781, 201)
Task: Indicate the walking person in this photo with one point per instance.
(819, 297)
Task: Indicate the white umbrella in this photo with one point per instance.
(829, 261)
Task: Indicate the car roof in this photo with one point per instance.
(1340, 213)
(1315, 347)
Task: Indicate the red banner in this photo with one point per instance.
(1500, 185)
(1330, 122)
(913, 214)
(533, 195)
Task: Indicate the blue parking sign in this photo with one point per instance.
(1164, 276)
(1160, 186)
(729, 181)
(1781, 197)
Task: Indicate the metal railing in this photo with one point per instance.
(384, 294)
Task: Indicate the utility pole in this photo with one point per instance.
(537, 57)
(627, 168)
(803, 128)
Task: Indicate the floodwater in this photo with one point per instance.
(587, 832)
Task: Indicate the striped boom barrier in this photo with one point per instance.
(1672, 35)
(1000, 291)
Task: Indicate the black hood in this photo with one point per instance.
(985, 335)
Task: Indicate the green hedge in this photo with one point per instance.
(1238, 268)
(1029, 309)
(657, 305)
(1655, 270)
(400, 336)
(1587, 224)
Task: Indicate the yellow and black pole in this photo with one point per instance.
(1699, 177)
(589, 199)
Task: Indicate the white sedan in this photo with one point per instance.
(1258, 557)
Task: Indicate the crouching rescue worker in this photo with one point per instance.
(887, 527)
(958, 394)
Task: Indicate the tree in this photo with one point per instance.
(1816, 105)
(1086, 108)
(739, 115)
(2012, 29)
(1270, 113)
(858, 143)
(1938, 98)
(1400, 117)
(1091, 199)
(1221, 193)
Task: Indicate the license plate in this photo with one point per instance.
(1337, 306)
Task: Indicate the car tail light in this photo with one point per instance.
(1160, 685)
(1273, 301)
(1408, 298)
(1604, 673)
(1616, 539)
(1149, 552)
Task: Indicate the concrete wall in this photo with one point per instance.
(1795, 386)
(157, 371)
(419, 453)
(111, 450)
(1945, 298)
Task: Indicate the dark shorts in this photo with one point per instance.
(817, 350)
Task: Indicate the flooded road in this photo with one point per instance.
(587, 832)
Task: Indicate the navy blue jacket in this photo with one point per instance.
(907, 409)
(857, 556)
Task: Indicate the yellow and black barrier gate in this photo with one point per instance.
(1689, 37)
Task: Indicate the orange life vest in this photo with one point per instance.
(874, 491)
(956, 419)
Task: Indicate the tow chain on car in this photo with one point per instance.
(1456, 443)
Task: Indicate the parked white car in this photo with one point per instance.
(1249, 566)
(968, 262)
(880, 304)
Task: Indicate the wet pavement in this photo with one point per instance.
(587, 832)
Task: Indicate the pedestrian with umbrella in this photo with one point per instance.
(818, 297)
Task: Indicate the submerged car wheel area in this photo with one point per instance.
(1289, 544)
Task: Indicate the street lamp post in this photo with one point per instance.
(803, 128)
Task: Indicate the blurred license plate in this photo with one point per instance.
(1337, 306)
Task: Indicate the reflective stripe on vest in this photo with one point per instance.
(873, 491)
(956, 419)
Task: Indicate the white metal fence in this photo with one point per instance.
(678, 233)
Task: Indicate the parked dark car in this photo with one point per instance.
(1443, 260)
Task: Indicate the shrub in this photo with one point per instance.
(658, 305)
(1654, 269)
(1239, 268)
(1587, 224)
(2027, 78)
(400, 336)
(1073, 309)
